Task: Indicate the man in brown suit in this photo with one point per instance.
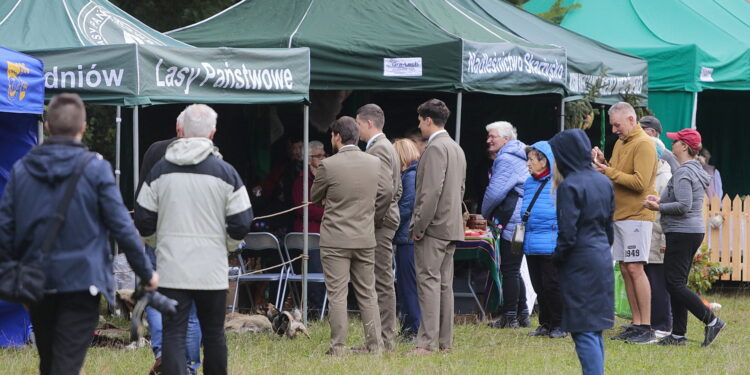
(436, 224)
(371, 119)
(346, 186)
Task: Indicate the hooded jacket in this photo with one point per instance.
(80, 258)
(509, 171)
(585, 207)
(192, 208)
(541, 229)
(681, 205)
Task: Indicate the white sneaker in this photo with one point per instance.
(660, 334)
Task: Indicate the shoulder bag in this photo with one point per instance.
(516, 241)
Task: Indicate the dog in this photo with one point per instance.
(125, 302)
(289, 324)
(268, 319)
(242, 323)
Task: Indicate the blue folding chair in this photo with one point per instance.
(266, 246)
(293, 247)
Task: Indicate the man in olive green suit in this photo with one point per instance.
(436, 224)
(371, 119)
(346, 187)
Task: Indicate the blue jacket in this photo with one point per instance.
(541, 229)
(406, 204)
(585, 206)
(80, 258)
(509, 171)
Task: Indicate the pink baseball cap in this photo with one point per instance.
(690, 137)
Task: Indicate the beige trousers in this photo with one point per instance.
(339, 267)
(433, 260)
(384, 286)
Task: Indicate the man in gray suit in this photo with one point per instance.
(436, 224)
(346, 186)
(371, 119)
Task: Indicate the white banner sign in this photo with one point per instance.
(402, 67)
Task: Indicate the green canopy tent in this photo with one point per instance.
(700, 47)
(419, 45)
(93, 48)
(588, 60)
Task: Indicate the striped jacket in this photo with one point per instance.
(192, 208)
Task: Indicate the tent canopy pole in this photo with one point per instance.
(459, 103)
(118, 141)
(136, 165)
(305, 212)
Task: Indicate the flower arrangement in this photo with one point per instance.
(704, 273)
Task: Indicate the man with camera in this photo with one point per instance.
(74, 257)
(192, 208)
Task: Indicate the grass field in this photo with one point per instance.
(478, 349)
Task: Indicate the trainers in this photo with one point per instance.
(523, 319)
(505, 321)
(645, 336)
(671, 340)
(557, 333)
(627, 333)
(712, 332)
(540, 331)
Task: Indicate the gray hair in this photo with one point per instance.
(197, 120)
(315, 145)
(622, 107)
(503, 129)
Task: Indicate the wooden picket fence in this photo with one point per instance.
(729, 241)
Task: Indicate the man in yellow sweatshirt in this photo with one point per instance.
(632, 169)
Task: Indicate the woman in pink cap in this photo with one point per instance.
(682, 222)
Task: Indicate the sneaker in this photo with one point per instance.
(523, 319)
(712, 332)
(540, 331)
(645, 336)
(557, 333)
(505, 321)
(661, 334)
(627, 333)
(671, 340)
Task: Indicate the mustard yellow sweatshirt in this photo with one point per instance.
(632, 169)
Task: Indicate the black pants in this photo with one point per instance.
(661, 307)
(514, 291)
(210, 306)
(64, 326)
(681, 248)
(543, 275)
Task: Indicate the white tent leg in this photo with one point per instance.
(118, 143)
(136, 164)
(305, 198)
(459, 104)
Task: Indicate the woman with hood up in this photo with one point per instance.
(681, 208)
(538, 212)
(502, 202)
(585, 205)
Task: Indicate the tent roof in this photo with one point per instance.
(587, 58)
(389, 44)
(686, 50)
(93, 48)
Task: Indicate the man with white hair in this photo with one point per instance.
(502, 202)
(632, 169)
(192, 208)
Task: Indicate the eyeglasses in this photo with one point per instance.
(318, 156)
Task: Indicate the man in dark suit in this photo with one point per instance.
(436, 224)
(346, 187)
(371, 119)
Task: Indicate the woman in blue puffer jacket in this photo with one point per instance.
(540, 239)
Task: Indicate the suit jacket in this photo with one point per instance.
(441, 177)
(389, 183)
(347, 188)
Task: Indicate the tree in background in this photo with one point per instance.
(556, 12)
(165, 15)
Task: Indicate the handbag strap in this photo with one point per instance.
(62, 209)
(526, 214)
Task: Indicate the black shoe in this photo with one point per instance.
(712, 332)
(523, 320)
(671, 340)
(557, 333)
(627, 333)
(505, 321)
(540, 331)
(645, 336)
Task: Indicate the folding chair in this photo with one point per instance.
(293, 245)
(262, 245)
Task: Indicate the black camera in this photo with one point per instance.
(164, 304)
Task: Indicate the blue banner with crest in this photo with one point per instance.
(21, 83)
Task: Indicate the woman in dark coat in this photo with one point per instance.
(585, 205)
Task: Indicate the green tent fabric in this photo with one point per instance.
(100, 52)
(389, 45)
(587, 58)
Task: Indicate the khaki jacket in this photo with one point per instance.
(633, 172)
(441, 178)
(346, 187)
(389, 183)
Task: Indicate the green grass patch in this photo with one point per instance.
(477, 349)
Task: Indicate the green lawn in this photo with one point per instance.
(478, 349)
